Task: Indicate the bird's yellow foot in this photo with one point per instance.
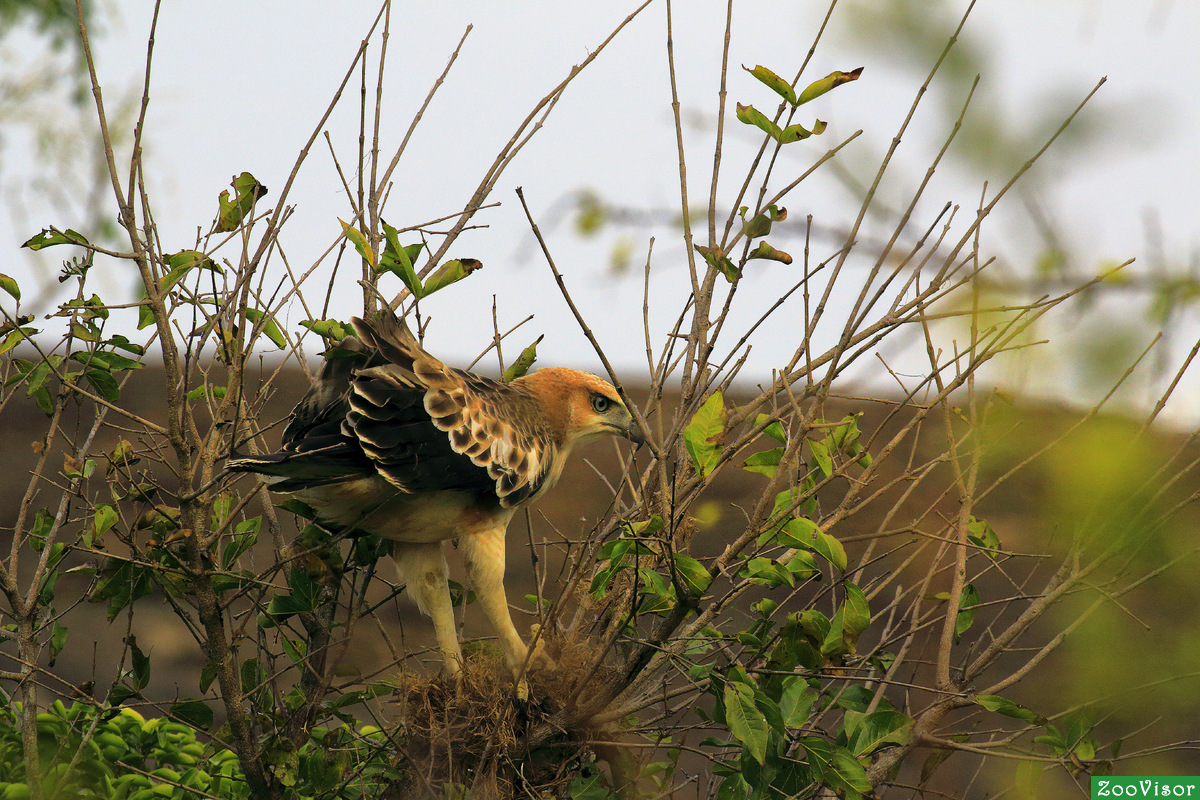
(539, 658)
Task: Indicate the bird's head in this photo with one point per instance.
(580, 406)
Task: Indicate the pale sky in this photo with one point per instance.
(239, 86)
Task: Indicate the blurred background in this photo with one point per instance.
(239, 87)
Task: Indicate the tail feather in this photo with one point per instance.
(391, 338)
(292, 471)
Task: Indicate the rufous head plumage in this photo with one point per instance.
(580, 406)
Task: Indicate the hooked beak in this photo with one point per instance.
(634, 434)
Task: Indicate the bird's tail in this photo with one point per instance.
(291, 471)
(390, 337)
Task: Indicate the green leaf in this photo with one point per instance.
(103, 521)
(145, 314)
(141, 664)
(104, 384)
(994, 702)
(851, 619)
(16, 336)
(815, 625)
(702, 434)
(846, 773)
(857, 617)
(296, 651)
(215, 392)
(9, 285)
(523, 363)
(120, 694)
(830, 549)
(796, 701)
(121, 583)
(50, 237)
(693, 574)
(830, 81)
(329, 329)
(245, 535)
(269, 328)
(85, 333)
(450, 272)
(195, 713)
(769, 253)
(799, 532)
(746, 722)
(247, 191)
(867, 733)
(715, 257)
(760, 224)
(359, 240)
(802, 565)
(58, 638)
(774, 430)
(794, 133)
(734, 787)
(966, 610)
(590, 785)
(398, 259)
(820, 454)
(774, 83)
(981, 533)
(183, 262)
(105, 360)
(768, 572)
(765, 463)
(752, 116)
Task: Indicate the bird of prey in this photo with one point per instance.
(392, 442)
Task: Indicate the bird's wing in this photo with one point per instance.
(314, 452)
(429, 427)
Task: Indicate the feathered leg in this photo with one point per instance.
(484, 554)
(422, 567)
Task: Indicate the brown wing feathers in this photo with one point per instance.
(389, 408)
(490, 426)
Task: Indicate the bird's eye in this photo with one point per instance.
(600, 403)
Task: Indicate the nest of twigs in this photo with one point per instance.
(496, 742)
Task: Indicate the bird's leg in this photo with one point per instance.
(422, 567)
(484, 554)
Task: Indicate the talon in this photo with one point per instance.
(539, 658)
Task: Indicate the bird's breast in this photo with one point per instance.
(372, 505)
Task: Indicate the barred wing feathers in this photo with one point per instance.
(428, 427)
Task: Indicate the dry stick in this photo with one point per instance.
(156, 298)
(373, 204)
(721, 94)
(966, 488)
(273, 222)
(365, 280)
(493, 343)
(587, 331)
(524, 132)
(136, 160)
(27, 611)
(646, 325)
(182, 436)
(870, 195)
(702, 296)
(412, 126)
(337, 165)
(1067, 576)
(856, 317)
